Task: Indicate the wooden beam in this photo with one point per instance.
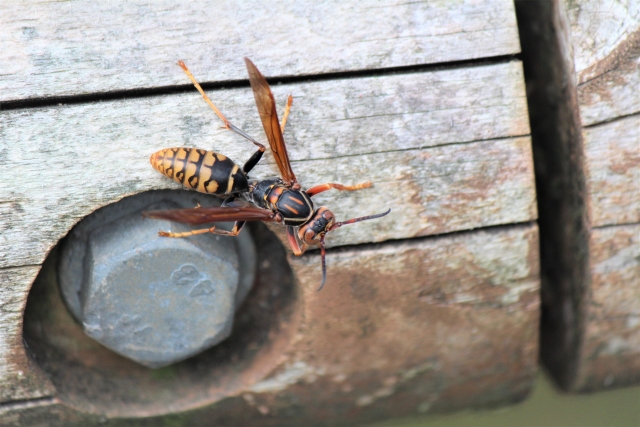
(71, 160)
(67, 49)
(459, 329)
(581, 64)
(612, 155)
(19, 377)
(610, 355)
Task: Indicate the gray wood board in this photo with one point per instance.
(612, 154)
(611, 352)
(613, 93)
(605, 36)
(479, 290)
(71, 48)
(409, 134)
(19, 378)
(598, 27)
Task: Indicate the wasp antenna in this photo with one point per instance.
(362, 218)
(324, 264)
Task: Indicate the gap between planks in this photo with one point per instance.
(136, 93)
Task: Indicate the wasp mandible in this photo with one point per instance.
(280, 199)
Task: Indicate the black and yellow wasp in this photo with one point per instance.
(279, 199)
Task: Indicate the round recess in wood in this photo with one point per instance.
(91, 378)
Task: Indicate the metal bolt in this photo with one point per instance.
(155, 300)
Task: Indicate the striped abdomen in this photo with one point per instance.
(200, 170)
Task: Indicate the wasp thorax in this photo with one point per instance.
(320, 223)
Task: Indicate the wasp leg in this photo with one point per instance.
(227, 124)
(293, 241)
(328, 186)
(287, 109)
(237, 227)
(253, 160)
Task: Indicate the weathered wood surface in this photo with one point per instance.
(606, 40)
(612, 155)
(587, 149)
(611, 350)
(461, 331)
(605, 36)
(19, 378)
(414, 143)
(465, 168)
(598, 28)
(447, 150)
(70, 48)
(614, 93)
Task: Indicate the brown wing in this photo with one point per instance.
(267, 109)
(215, 214)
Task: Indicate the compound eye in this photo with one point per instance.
(310, 237)
(330, 218)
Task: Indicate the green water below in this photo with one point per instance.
(545, 407)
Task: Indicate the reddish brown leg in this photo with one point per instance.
(227, 124)
(324, 263)
(328, 186)
(286, 113)
(237, 227)
(293, 241)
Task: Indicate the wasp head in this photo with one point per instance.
(323, 221)
(312, 233)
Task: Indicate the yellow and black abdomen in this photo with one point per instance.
(200, 170)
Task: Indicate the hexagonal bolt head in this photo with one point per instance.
(155, 300)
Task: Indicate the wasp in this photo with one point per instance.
(279, 199)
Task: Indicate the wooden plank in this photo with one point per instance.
(71, 48)
(597, 28)
(610, 356)
(483, 300)
(613, 93)
(447, 150)
(600, 144)
(605, 35)
(74, 159)
(612, 155)
(462, 332)
(19, 377)
(560, 182)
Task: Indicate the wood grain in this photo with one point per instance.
(614, 92)
(607, 45)
(71, 48)
(598, 27)
(612, 155)
(610, 356)
(19, 378)
(589, 338)
(605, 36)
(73, 159)
(447, 150)
(461, 333)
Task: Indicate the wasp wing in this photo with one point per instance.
(215, 214)
(267, 110)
